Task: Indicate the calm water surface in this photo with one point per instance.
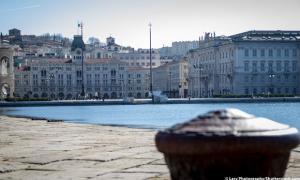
(155, 116)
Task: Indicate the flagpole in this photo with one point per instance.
(82, 90)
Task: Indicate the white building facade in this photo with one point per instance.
(249, 63)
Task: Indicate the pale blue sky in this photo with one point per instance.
(127, 20)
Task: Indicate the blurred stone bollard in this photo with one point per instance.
(227, 143)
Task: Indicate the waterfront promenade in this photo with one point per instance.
(34, 149)
(147, 101)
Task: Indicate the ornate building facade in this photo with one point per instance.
(249, 63)
(68, 78)
(6, 70)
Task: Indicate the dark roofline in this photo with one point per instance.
(266, 32)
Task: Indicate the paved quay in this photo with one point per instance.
(34, 149)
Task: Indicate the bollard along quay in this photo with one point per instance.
(227, 143)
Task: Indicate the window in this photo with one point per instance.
(246, 52)
(254, 91)
(246, 91)
(246, 66)
(294, 52)
(271, 52)
(262, 52)
(113, 72)
(78, 74)
(254, 66)
(286, 53)
(246, 78)
(60, 79)
(294, 66)
(69, 79)
(254, 52)
(278, 65)
(286, 77)
(278, 78)
(89, 79)
(286, 66)
(286, 90)
(278, 90)
(270, 66)
(262, 78)
(278, 52)
(43, 73)
(262, 65)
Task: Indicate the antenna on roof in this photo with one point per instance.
(80, 28)
(78, 25)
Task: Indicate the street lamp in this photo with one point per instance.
(150, 25)
(271, 76)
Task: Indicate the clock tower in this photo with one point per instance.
(77, 49)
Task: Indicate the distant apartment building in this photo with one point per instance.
(139, 58)
(178, 49)
(248, 63)
(171, 79)
(98, 53)
(63, 78)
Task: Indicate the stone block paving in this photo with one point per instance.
(33, 149)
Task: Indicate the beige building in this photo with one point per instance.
(171, 79)
(67, 78)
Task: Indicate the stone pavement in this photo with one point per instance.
(33, 149)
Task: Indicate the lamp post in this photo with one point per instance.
(271, 76)
(151, 90)
(82, 84)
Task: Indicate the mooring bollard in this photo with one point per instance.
(227, 143)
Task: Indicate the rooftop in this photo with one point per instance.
(77, 43)
(264, 35)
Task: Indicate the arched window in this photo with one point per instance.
(98, 55)
(113, 72)
(4, 65)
